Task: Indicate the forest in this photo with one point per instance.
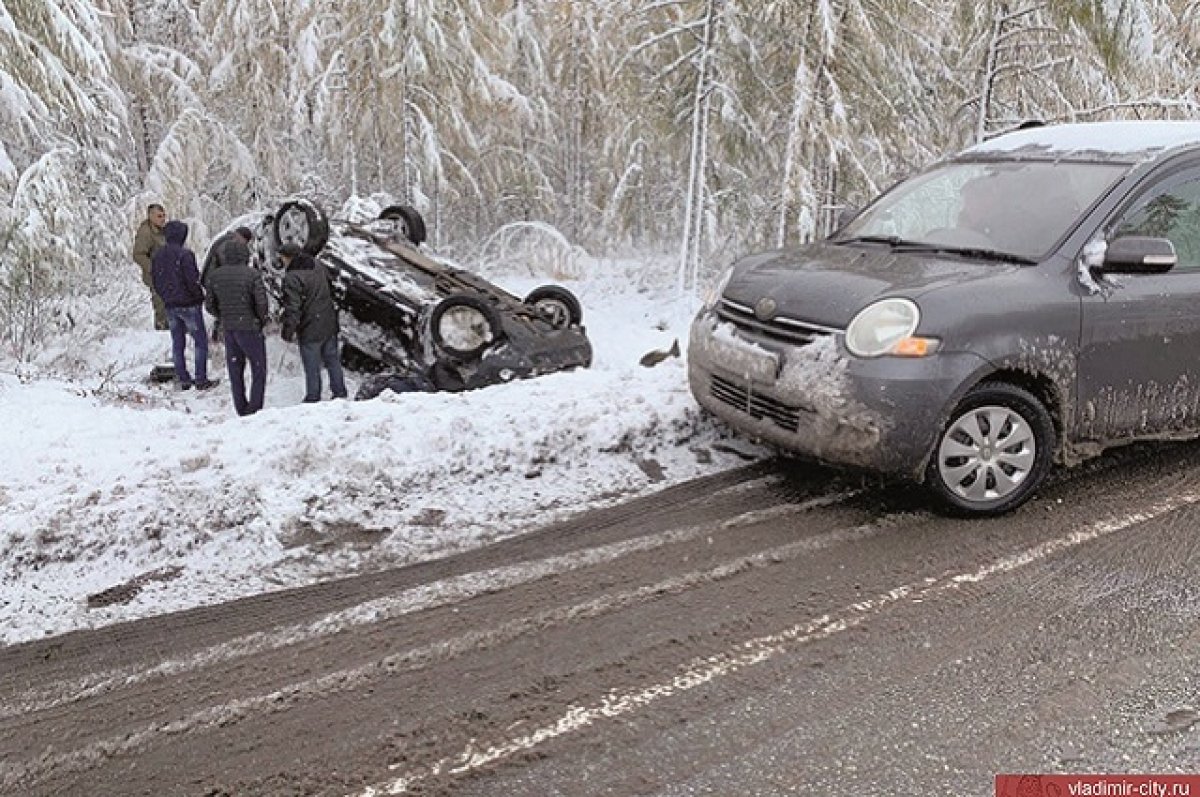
(697, 130)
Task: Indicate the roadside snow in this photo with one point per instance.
(114, 481)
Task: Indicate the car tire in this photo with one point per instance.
(414, 225)
(994, 452)
(458, 304)
(557, 304)
(300, 222)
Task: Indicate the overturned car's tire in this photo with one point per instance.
(463, 326)
(995, 450)
(557, 304)
(413, 226)
(302, 223)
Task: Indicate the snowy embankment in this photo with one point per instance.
(112, 482)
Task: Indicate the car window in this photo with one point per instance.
(1170, 210)
(1021, 208)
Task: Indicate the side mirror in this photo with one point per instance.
(1137, 254)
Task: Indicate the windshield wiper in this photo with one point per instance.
(894, 241)
(921, 247)
(979, 252)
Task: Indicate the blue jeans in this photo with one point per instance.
(242, 346)
(313, 355)
(184, 322)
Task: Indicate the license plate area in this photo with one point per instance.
(745, 359)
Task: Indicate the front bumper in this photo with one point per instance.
(882, 414)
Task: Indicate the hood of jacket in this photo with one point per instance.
(234, 252)
(302, 262)
(175, 232)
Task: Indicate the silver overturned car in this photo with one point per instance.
(411, 321)
(1034, 299)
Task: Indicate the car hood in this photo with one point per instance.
(828, 284)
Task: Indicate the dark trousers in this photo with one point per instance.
(242, 346)
(312, 355)
(185, 322)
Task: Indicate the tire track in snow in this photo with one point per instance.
(351, 679)
(699, 672)
(426, 596)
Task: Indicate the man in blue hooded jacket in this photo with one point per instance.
(177, 281)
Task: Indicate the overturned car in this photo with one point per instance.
(410, 321)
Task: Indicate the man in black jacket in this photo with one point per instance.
(216, 258)
(177, 281)
(238, 300)
(216, 251)
(311, 319)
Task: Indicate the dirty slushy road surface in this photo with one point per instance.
(776, 630)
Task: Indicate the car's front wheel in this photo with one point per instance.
(995, 450)
(302, 223)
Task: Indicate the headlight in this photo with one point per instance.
(464, 328)
(887, 327)
(714, 293)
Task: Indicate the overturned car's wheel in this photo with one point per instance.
(557, 304)
(302, 223)
(463, 326)
(412, 226)
(995, 451)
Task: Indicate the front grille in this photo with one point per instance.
(744, 399)
(781, 328)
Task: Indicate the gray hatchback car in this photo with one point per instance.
(1034, 299)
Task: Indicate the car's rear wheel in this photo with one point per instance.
(412, 226)
(995, 450)
(302, 223)
(557, 304)
(463, 326)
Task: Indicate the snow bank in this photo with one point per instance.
(112, 480)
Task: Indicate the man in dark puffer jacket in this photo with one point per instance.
(238, 299)
(311, 319)
(216, 258)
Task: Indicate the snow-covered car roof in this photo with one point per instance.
(1129, 141)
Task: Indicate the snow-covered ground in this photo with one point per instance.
(109, 481)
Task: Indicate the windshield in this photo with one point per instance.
(1016, 208)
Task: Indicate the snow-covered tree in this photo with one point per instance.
(62, 163)
(711, 127)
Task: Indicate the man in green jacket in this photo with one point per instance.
(149, 239)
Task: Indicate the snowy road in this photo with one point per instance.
(771, 630)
